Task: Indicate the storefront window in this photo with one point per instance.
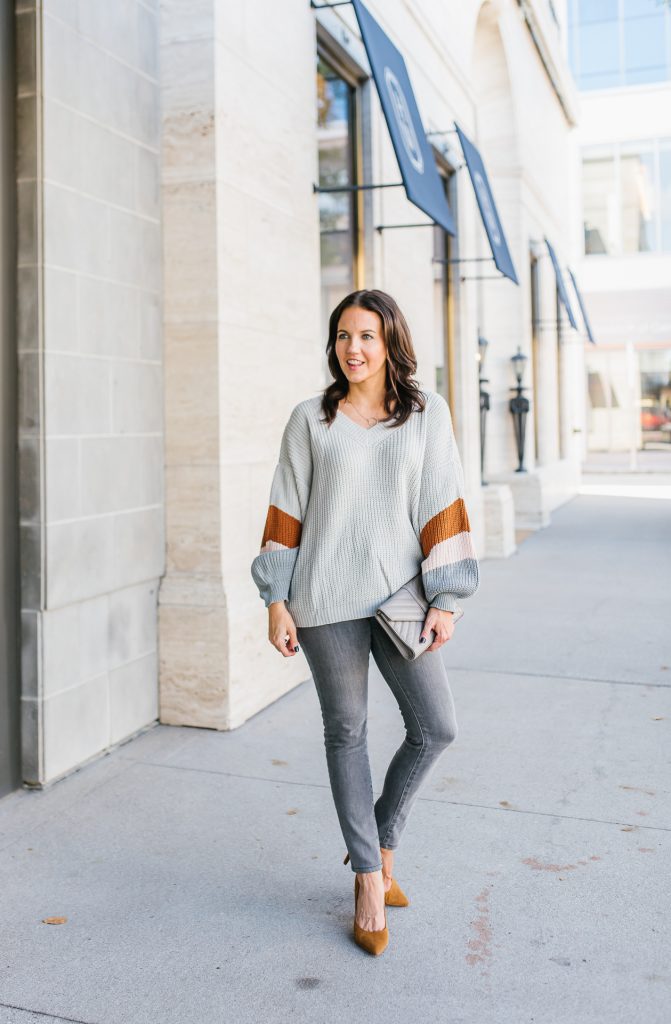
(611, 399)
(627, 198)
(442, 313)
(599, 205)
(336, 138)
(655, 370)
(637, 173)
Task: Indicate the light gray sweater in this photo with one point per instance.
(355, 512)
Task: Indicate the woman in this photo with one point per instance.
(360, 501)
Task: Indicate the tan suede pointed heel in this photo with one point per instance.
(394, 896)
(374, 942)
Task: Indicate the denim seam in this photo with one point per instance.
(401, 799)
(371, 794)
(420, 755)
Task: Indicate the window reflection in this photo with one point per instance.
(655, 367)
(645, 49)
(637, 184)
(337, 210)
(596, 10)
(600, 54)
(627, 199)
(600, 206)
(619, 42)
(441, 296)
(440, 286)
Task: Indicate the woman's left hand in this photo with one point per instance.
(443, 625)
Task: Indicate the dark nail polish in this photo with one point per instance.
(297, 648)
(422, 639)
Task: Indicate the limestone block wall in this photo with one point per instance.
(90, 377)
(241, 257)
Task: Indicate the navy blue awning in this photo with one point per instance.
(561, 287)
(583, 311)
(487, 206)
(416, 162)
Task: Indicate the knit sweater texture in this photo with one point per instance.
(356, 512)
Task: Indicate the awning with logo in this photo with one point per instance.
(488, 211)
(416, 162)
(420, 177)
(561, 286)
(583, 310)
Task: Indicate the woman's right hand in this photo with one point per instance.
(282, 629)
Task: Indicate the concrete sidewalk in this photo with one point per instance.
(201, 873)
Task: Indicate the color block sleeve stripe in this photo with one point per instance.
(450, 568)
(273, 567)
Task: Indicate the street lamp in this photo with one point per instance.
(519, 406)
(484, 403)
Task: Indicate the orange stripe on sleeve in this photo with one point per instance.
(282, 528)
(445, 524)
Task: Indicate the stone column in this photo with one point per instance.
(242, 343)
(193, 621)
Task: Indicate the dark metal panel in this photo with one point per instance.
(10, 777)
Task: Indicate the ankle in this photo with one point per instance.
(370, 878)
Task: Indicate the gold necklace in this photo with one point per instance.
(366, 418)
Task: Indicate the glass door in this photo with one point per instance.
(338, 211)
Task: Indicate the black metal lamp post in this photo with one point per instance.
(519, 406)
(484, 403)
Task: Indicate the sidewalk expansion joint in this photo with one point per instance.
(428, 799)
(44, 1013)
(550, 675)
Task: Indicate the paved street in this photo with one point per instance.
(201, 873)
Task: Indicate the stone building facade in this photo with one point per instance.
(175, 271)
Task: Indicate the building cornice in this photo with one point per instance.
(545, 35)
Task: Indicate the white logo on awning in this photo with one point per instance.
(487, 211)
(404, 120)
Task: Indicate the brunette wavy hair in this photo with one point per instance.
(401, 359)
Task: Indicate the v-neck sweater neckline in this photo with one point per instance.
(366, 434)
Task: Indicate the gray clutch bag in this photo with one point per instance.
(403, 614)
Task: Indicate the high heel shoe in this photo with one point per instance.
(394, 896)
(374, 941)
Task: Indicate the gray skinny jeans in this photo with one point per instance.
(338, 655)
